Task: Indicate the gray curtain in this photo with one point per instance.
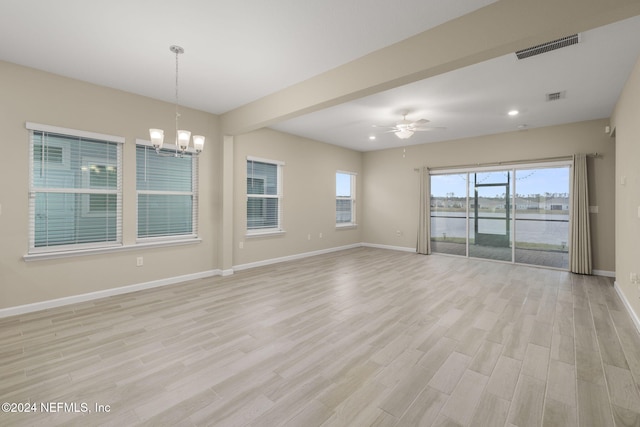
(424, 222)
(580, 231)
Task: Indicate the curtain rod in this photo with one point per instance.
(513, 162)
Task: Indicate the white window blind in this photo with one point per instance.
(167, 194)
(345, 198)
(75, 195)
(264, 195)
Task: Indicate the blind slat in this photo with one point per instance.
(75, 191)
(264, 193)
(167, 194)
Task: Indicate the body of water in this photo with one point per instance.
(529, 227)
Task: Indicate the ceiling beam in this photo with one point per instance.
(495, 30)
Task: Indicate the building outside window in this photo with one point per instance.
(167, 193)
(75, 194)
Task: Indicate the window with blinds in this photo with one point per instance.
(75, 194)
(264, 196)
(167, 194)
(345, 198)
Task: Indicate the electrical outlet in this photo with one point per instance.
(320, 236)
(139, 261)
(308, 236)
(241, 244)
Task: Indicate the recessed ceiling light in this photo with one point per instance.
(513, 112)
(372, 137)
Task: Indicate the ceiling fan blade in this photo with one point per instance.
(422, 129)
(406, 125)
(384, 126)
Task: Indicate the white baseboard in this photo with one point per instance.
(43, 305)
(393, 248)
(59, 302)
(73, 299)
(625, 301)
(249, 265)
(604, 273)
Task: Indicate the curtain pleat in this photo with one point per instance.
(580, 229)
(424, 223)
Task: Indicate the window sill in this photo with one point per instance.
(106, 250)
(264, 233)
(349, 226)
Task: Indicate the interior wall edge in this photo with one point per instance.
(627, 306)
(390, 247)
(604, 273)
(293, 257)
(74, 299)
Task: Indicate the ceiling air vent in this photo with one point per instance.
(547, 47)
(555, 96)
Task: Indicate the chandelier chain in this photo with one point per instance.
(177, 51)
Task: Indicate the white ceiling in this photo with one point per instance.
(240, 51)
(475, 100)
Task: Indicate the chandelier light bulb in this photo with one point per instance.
(183, 139)
(157, 138)
(198, 143)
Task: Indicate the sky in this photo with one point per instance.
(529, 181)
(343, 184)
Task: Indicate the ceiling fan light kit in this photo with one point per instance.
(404, 133)
(404, 128)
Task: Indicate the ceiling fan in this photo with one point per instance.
(405, 128)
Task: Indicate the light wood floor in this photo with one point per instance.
(353, 338)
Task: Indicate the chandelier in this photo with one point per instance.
(183, 137)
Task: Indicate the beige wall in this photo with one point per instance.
(626, 119)
(308, 195)
(309, 190)
(391, 184)
(35, 96)
(387, 186)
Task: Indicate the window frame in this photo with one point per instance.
(279, 196)
(352, 187)
(44, 251)
(169, 150)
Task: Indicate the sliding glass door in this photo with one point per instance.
(449, 214)
(542, 217)
(490, 217)
(516, 215)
